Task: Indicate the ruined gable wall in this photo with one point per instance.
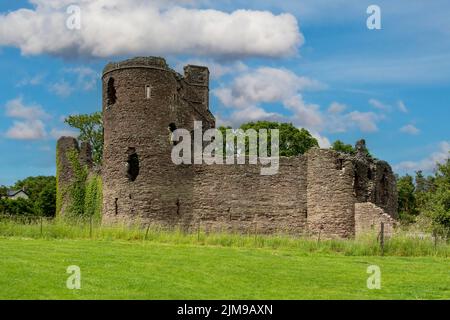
(64, 172)
(67, 147)
(368, 218)
(375, 182)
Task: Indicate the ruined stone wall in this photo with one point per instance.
(64, 172)
(330, 194)
(368, 218)
(375, 182)
(238, 198)
(67, 151)
(323, 192)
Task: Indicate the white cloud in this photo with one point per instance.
(410, 129)
(86, 77)
(247, 93)
(336, 107)
(305, 115)
(31, 124)
(427, 164)
(31, 81)
(16, 108)
(58, 133)
(379, 105)
(402, 107)
(217, 70)
(264, 85)
(27, 130)
(322, 140)
(62, 88)
(366, 121)
(252, 113)
(85, 80)
(116, 27)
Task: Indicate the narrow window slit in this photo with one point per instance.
(111, 92)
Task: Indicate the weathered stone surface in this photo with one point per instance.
(330, 194)
(368, 218)
(317, 193)
(64, 171)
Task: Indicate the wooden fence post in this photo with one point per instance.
(41, 226)
(146, 232)
(90, 226)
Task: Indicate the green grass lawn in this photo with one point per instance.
(115, 269)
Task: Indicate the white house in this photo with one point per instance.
(17, 194)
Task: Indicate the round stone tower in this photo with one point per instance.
(143, 100)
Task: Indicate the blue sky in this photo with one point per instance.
(308, 62)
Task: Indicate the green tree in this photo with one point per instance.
(437, 204)
(91, 131)
(407, 206)
(425, 186)
(293, 141)
(340, 146)
(3, 191)
(42, 193)
(45, 204)
(16, 207)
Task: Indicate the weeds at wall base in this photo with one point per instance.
(400, 244)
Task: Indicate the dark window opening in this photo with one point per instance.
(172, 127)
(116, 206)
(111, 92)
(369, 174)
(178, 206)
(132, 164)
(340, 164)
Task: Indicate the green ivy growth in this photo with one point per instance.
(93, 197)
(85, 191)
(78, 187)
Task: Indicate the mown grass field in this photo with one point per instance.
(35, 268)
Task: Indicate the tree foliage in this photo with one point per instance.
(407, 206)
(293, 141)
(428, 196)
(91, 131)
(340, 146)
(437, 203)
(42, 197)
(16, 207)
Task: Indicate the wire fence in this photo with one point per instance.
(34, 226)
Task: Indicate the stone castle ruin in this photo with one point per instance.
(322, 191)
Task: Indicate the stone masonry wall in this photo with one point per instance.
(368, 218)
(237, 198)
(330, 194)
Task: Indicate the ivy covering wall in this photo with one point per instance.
(82, 195)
